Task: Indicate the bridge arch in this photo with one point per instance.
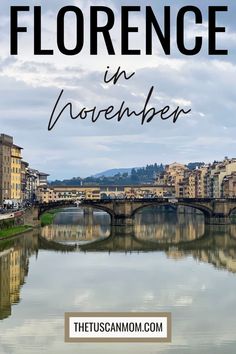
(102, 208)
(206, 211)
(43, 208)
(104, 196)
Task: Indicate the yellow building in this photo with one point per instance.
(192, 185)
(67, 193)
(174, 175)
(16, 194)
(203, 182)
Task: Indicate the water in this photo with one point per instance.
(169, 262)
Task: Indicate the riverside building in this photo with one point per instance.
(6, 143)
(216, 180)
(18, 182)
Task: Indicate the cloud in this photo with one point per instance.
(31, 84)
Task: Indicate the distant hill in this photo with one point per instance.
(113, 172)
(121, 176)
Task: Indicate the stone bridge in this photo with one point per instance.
(122, 211)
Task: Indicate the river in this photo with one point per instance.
(169, 262)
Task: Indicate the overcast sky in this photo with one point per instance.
(30, 86)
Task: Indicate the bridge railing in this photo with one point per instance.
(144, 200)
(55, 204)
(160, 200)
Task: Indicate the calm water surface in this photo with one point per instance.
(168, 262)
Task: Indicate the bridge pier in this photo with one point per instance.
(121, 231)
(88, 211)
(217, 219)
(122, 220)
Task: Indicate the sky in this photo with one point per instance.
(30, 86)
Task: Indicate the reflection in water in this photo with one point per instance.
(14, 261)
(169, 227)
(84, 265)
(162, 227)
(217, 246)
(71, 227)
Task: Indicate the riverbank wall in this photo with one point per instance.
(26, 217)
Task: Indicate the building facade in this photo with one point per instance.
(48, 194)
(18, 182)
(6, 143)
(16, 191)
(216, 180)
